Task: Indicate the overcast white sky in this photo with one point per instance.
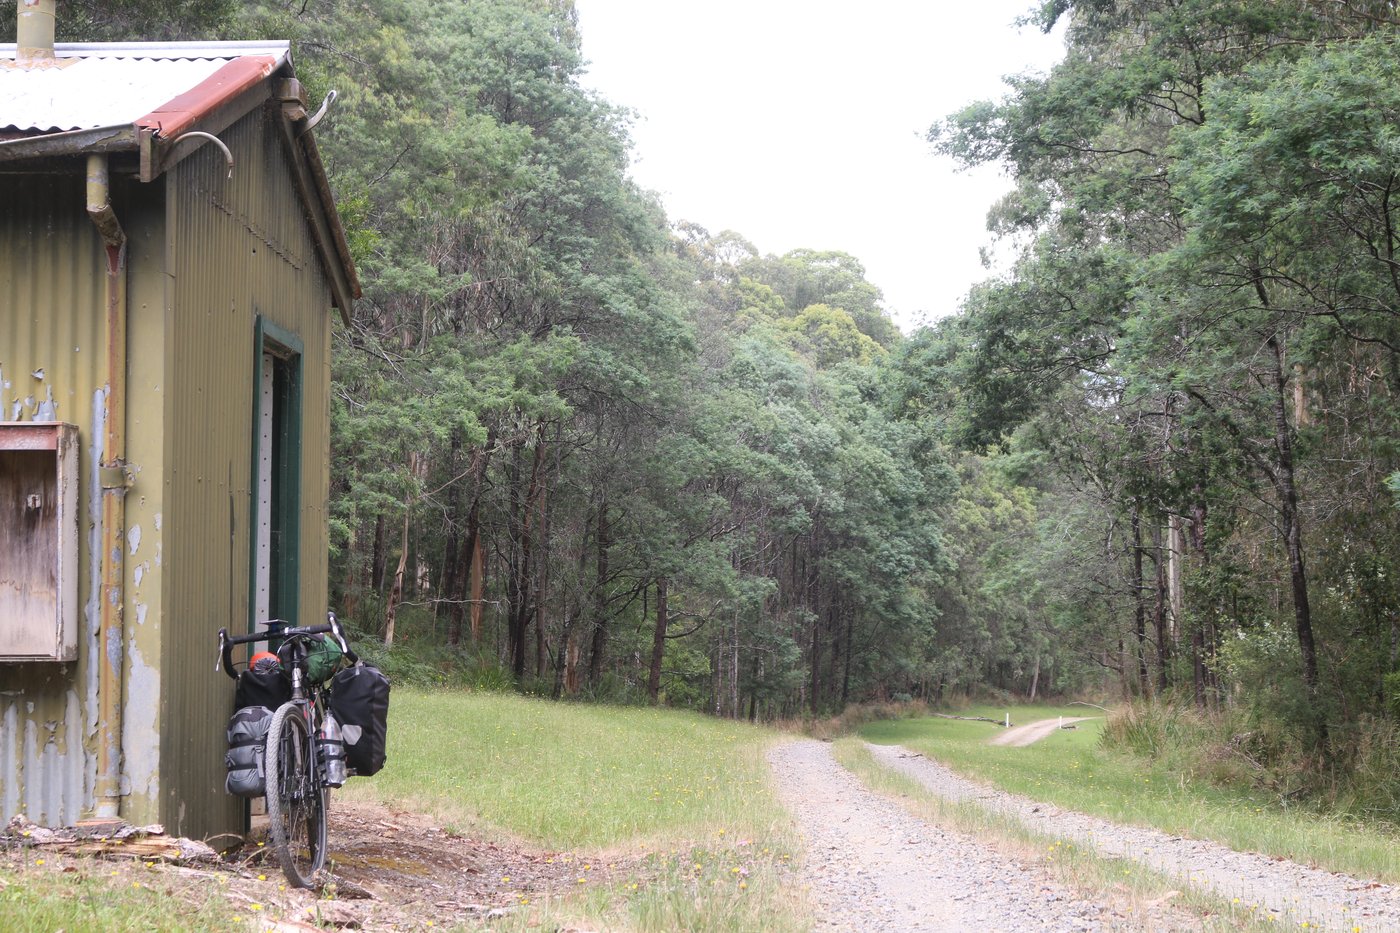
(800, 123)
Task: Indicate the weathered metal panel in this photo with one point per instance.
(95, 91)
(51, 369)
(238, 248)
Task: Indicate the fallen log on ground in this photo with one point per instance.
(109, 838)
(997, 722)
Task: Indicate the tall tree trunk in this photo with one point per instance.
(542, 587)
(391, 608)
(1293, 532)
(658, 643)
(468, 579)
(352, 562)
(523, 509)
(1176, 586)
(846, 667)
(379, 557)
(478, 587)
(1035, 677)
(600, 597)
(734, 707)
(814, 698)
(1139, 602)
(1159, 614)
(1198, 624)
(453, 566)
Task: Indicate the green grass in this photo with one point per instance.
(42, 894)
(1072, 770)
(676, 790)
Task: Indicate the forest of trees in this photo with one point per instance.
(608, 453)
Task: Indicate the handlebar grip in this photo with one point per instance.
(226, 653)
(339, 634)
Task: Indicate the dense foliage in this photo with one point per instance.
(1199, 349)
(583, 449)
(580, 446)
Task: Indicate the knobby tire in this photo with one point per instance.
(296, 800)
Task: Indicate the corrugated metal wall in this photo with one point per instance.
(52, 368)
(238, 248)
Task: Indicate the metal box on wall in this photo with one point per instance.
(38, 541)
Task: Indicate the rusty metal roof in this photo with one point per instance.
(155, 84)
(144, 97)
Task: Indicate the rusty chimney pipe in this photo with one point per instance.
(34, 33)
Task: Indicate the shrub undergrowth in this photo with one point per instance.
(1357, 775)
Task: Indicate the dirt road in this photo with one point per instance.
(1294, 894)
(872, 865)
(1021, 736)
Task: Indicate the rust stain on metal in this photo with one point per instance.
(28, 437)
(183, 111)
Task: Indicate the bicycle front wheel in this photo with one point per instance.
(296, 799)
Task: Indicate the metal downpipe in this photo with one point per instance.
(111, 635)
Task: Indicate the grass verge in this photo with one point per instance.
(689, 797)
(41, 893)
(1135, 892)
(1071, 769)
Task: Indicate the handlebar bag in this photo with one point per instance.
(323, 658)
(262, 688)
(360, 700)
(245, 759)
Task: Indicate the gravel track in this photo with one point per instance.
(1029, 734)
(873, 867)
(1294, 893)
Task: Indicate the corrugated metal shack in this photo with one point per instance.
(169, 260)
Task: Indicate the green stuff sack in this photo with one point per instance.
(323, 659)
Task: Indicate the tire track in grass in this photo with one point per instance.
(1291, 892)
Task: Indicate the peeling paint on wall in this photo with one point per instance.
(9, 761)
(140, 740)
(48, 409)
(133, 538)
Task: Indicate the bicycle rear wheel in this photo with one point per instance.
(296, 800)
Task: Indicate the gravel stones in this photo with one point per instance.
(874, 867)
(1293, 893)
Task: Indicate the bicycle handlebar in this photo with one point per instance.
(227, 641)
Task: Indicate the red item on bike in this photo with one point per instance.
(265, 661)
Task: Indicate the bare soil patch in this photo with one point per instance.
(390, 869)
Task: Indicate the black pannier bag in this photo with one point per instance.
(262, 688)
(247, 749)
(360, 701)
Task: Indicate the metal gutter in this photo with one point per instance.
(115, 478)
(74, 142)
(279, 48)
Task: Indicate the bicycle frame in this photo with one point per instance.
(296, 779)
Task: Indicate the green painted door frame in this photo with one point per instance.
(277, 404)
